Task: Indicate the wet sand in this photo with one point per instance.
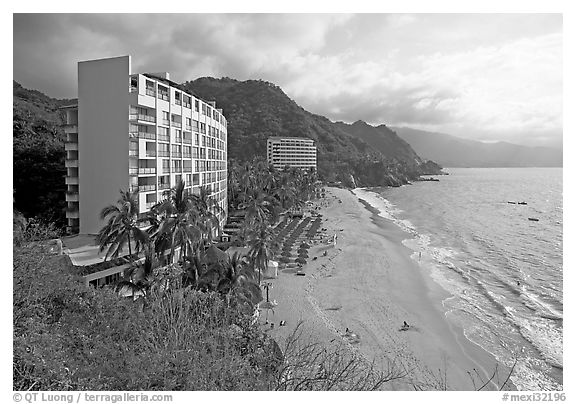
(369, 284)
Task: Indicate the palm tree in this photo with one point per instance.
(122, 226)
(260, 207)
(238, 281)
(262, 247)
(206, 212)
(177, 226)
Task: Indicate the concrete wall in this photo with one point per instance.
(103, 108)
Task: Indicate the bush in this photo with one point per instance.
(69, 337)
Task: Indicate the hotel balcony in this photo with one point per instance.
(146, 170)
(141, 118)
(70, 146)
(71, 180)
(71, 163)
(72, 214)
(71, 128)
(71, 196)
(147, 188)
(143, 135)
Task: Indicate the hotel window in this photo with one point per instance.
(208, 111)
(178, 136)
(133, 83)
(187, 101)
(187, 151)
(133, 150)
(195, 126)
(178, 98)
(164, 181)
(163, 150)
(176, 120)
(188, 123)
(188, 180)
(163, 93)
(202, 127)
(150, 88)
(165, 118)
(165, 165)
(178, 178)
(196, 139)
(163, 134)
(176, 150)
(203, 140)
(188, 137)
(177, 165)
(203, 109)
(196, 105)
(196, 152)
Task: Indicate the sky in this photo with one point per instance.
(488, 77)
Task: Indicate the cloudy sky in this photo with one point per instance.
(480, 76)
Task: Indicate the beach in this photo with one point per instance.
(369, 283)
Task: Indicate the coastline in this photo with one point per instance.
(369, 283)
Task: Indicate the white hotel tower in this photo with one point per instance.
(138, 131)
(295, 152)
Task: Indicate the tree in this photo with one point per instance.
(122, 226)
(262, 247)
(238, 282)
(178, 223)
(206, 212)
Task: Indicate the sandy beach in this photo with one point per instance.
(369, 284)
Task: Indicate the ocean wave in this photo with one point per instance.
(486, 299)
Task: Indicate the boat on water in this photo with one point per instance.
(533, 219)
(522, 203)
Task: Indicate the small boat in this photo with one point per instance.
(533, 219)
(512, 203)
(522, 203)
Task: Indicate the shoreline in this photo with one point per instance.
(369, 283)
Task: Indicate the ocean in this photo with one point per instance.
(503, 271)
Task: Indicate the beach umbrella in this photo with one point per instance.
(268, 306)
(304, 245)
(300, 260)
(286, 254)
(284, 260)
(303, 255)
(302, 250)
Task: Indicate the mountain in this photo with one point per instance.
(38, 155)
(382, 139)
(452, 151)
(256, 110)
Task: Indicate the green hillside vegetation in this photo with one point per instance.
(39, 156)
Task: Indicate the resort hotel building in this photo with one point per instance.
(296, 152)
(140, 132)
